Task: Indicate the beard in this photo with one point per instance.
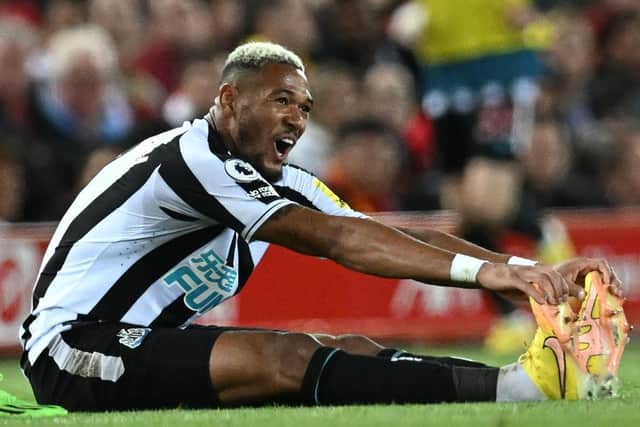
(246, 139)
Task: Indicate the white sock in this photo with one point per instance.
(515, 385)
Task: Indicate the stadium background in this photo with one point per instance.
(513, 123)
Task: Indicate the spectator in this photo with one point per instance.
(19, 122)
(615, 91)
(12, 184)
(178, 29)
(123, 20)
(623, 183)
(229, 21)
(479, 70)
(193, 97)
(337, 100)
(17, 40)
(351, 32)
(390, 96)
(572, 60)
(62, 14)
(82, 102)
(366, 165)
(79, 108)
(268, 24)
(551, 178)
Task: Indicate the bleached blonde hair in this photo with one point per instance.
(255, 55)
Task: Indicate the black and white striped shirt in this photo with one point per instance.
(162, 235)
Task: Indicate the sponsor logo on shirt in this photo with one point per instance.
(205, 279)
(262, 192)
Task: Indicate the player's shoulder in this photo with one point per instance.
(293, 173)
(202, 144)
(297, 169)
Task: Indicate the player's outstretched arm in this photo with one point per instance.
(573, 270)
(452, 243)
(370, 247)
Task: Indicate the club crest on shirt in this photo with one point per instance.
(132, 337)
(240, 170)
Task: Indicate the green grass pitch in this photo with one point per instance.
(619, 412)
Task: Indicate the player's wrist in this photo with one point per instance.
(465, 268)
(516, 260)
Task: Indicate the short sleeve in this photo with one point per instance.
(305, 188)
(227, 190)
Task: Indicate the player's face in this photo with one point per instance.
(273, 114)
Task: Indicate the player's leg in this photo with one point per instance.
(351, 343)
(259, 366)
(97, 366)
(252, 367)
(362, 345)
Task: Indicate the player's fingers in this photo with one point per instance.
(576, 291)
(615, 286)
(608, 275)
(546, 287)
(560, 286)
(604, 268)
(534, 290)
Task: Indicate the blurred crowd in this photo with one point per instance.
(497, 109)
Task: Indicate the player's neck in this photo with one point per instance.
(223, 136)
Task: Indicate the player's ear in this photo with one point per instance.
(228, 96)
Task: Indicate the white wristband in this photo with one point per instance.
(465, 268)
(516, 260)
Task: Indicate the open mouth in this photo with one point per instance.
(283, 146)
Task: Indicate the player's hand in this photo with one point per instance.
(543, 283)
(575, 270)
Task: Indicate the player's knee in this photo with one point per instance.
(288, 356)
(357, 344)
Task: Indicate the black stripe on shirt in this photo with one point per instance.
(296, 196)
(184, 183)
(245, 263)
(26, 335)
(173, 315)
(232, 250)
(107, 202)
(144, 272)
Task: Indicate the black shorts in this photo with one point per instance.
(101, 366)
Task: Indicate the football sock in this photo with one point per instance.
(335, 377)
(515, 385)
(395, 354)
